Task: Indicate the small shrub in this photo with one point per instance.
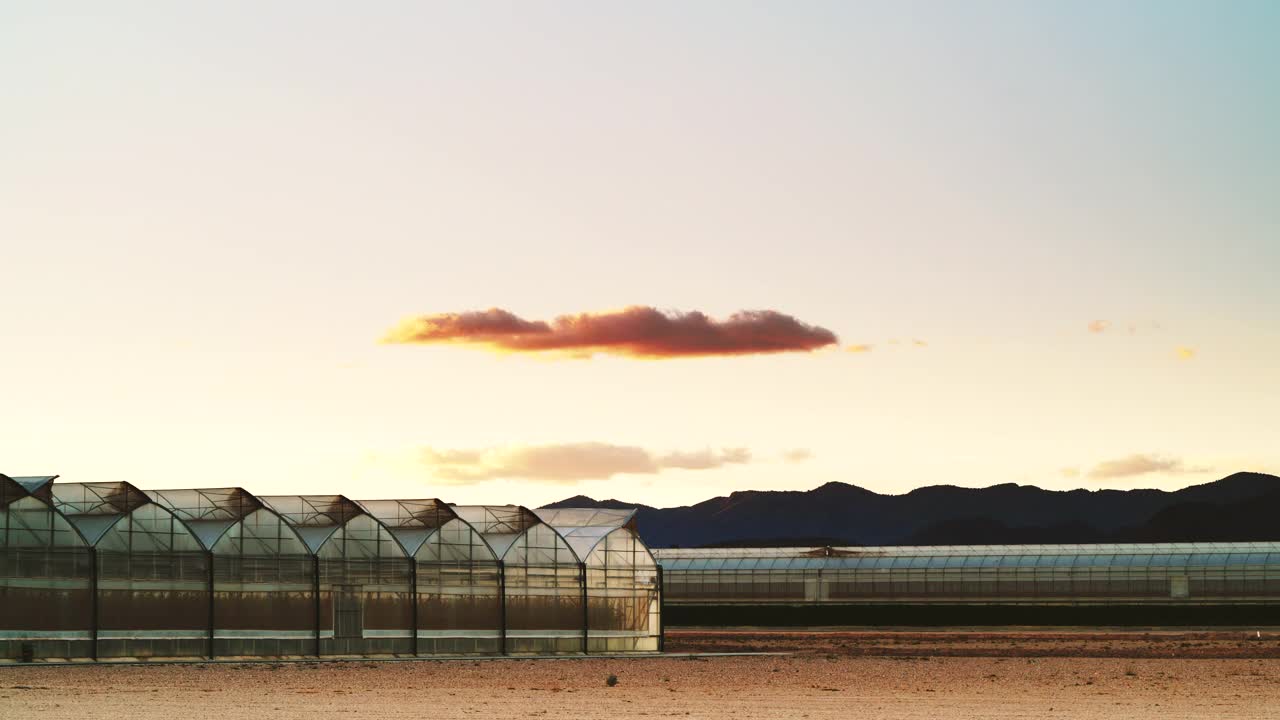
(611, 680)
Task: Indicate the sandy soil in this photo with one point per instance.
(815, 683)
(1005, 642)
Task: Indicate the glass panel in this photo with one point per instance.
(622, 599)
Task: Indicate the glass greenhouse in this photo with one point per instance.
(46, 575)
(263, 573)
(150, 574)
(1175, 573)
(363, 592)
(543, 591)
(454, 573)
(621, 577)
(105, 570)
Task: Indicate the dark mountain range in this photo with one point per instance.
(1240, 507)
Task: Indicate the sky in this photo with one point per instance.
(660, 252)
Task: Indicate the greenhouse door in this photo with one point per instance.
(348, 613)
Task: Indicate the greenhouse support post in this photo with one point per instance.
(93, 602)
(209, 561)
(662, 603)
(315, 597)
(586, 624)
(502, 607)
(413, 598)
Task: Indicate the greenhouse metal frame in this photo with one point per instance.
(93, 571)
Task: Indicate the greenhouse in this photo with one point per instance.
(150, 574)
(363, 592)
(543, 590)
(454, 573)
(109, 571)
(46, 575)
(1170, 574)
(263, 573)
(621, 577)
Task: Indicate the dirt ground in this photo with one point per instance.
(831, 675)
(1005, 642)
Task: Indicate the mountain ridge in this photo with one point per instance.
(1239, 506)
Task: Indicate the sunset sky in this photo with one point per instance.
(314, 248)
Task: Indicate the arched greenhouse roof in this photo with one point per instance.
(500, 526)
(23, 500)
(96, 509)
(208, 512)
(15, 488)
(410, 522)
(973, 556)
(585, 528)
(315, 518)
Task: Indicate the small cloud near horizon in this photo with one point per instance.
(868, 347)
(1186, 353)
(568, 463)
(1070, 472)
(1133, 328)
(797, 455)
(1141, 464)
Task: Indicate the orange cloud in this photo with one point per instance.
(1186, 353)
(569, 463)
(860, 348)
(637, 332)
(1099, 326)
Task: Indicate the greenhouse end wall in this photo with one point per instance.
(46, 576)
(107, 571)
(622, 580)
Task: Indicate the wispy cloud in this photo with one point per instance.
(797, 455)
(705, 459)
(636, 332)
(893, 343)
(1131, 327)
(1185, 353)
(568, 463)
(1070, 472)
(1139, 464)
